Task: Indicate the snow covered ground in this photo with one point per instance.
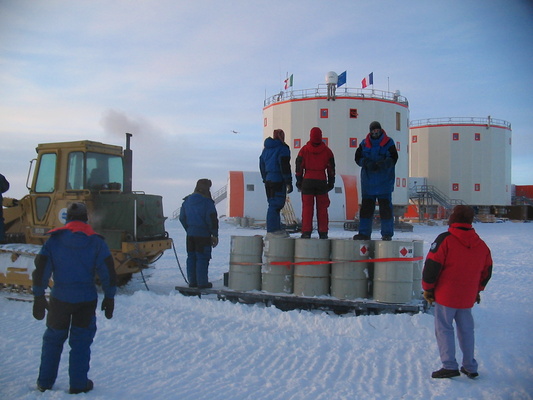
(162, 345)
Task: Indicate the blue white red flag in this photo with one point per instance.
(367, 80)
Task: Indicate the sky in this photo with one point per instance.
(181, 76)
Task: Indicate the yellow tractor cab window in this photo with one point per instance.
(94, 171)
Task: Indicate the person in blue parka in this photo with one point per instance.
(72, 257)
(198, 215)
(275, 168)
(377, 157)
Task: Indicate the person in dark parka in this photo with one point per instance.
(198, 215)
(275, 168)
(72, 256)
(377, 157)
(457, 268)
(4, 187)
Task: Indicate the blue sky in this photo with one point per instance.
(182, 75)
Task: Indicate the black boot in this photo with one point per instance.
(306, 235)
(88, 388)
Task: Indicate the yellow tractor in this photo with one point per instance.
(100, 175)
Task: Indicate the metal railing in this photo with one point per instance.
(322, 91)
(426, 193)
(488, 121)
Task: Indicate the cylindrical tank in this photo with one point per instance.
(311, 279)
(349, 280)
(278, 278)
(245, 250)
(418, 251)
(393, 280)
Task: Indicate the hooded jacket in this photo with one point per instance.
(458, 267)
(73, 255)
(377, 159)
(274, 162)
(198, 215)
(315, 161)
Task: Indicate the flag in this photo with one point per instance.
(288, 82)
(342, 79)
(368, 80)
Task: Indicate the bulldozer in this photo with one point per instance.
(99, 175)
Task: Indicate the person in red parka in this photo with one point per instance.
(315, 177)
(457, 268)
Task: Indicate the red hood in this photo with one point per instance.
(76, 226)
(465, 234)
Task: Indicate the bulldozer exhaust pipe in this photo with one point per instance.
(128, 165)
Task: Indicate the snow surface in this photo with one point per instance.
(162, 345)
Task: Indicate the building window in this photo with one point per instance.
(250, 188)
(353, 113)
(414, 139)
(398, 121)
(477, 187)
(455, 136)
(397, 182)
(265, 122)
(404, 182)
(323, 113)
(455, 187)
(338, 189)
(297, 143)
(353, 142)
(477, 137)
(325, 140)
(398, 146)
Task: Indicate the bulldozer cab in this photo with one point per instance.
(67, 172)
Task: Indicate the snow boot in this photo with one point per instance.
(306, 235)
(360, 236)
(471, 375)
(88, 388)
(445, 373)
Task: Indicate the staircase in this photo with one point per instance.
(428, 195)
(218, 196)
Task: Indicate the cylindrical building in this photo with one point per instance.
(466, 159)
(344, 121)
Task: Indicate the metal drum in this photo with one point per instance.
(245, 263)
(278, 278)
(417, 269)
(311, 279)
(349, 280)
(393, 280)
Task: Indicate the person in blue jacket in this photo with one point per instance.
(377, 157)
(198, 215)
(274, 164)
(72, 257)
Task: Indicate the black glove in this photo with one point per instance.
(299, 184)
(289, 188)
(214, 241)
(478, 299)
(373, 166)
(331, 185)
(40, 305)
(108, 305)
(429, 295)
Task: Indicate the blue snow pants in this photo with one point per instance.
(276, 193)
(366, 215)
(444, 332)
(198, 256)
(80, 320)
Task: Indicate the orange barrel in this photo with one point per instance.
(393, 280)
(349, 280)
(278, 278)
(245, 260)
(311, 279)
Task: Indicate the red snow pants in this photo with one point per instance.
(308, 206)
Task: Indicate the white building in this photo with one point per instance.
(467, 159)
